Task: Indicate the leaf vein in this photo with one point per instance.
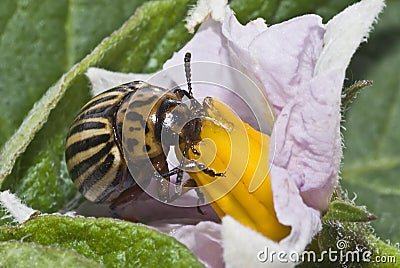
(370, 166)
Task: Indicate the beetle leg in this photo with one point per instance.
(194, 104)
(179, 177)
(210, 172)
(201, 200)
(194, 150)
(178, 171)
(192, 166)
(172, 172)
(182, 93)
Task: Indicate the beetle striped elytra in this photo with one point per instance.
(122, 128)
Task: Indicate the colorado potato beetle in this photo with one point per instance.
(130, 119)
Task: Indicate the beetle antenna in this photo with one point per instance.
(188, 72)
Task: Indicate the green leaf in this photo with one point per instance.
(274, 11)
(352, 91)
(389, 254)
(349, 244)
(372, 140)
(40, 40)
(25, 42)
(110, 242)
(346, 212)
(17, 254)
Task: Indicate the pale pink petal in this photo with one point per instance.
(307, 139)
(286, 55)
(203, 239)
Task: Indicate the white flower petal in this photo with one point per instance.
(13, 205)
(243, 247)
(345, 32)
(103, 80)
(205, 9)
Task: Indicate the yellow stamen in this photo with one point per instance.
(244, 192)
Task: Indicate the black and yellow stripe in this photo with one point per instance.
(123, 125)
(93, 150)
